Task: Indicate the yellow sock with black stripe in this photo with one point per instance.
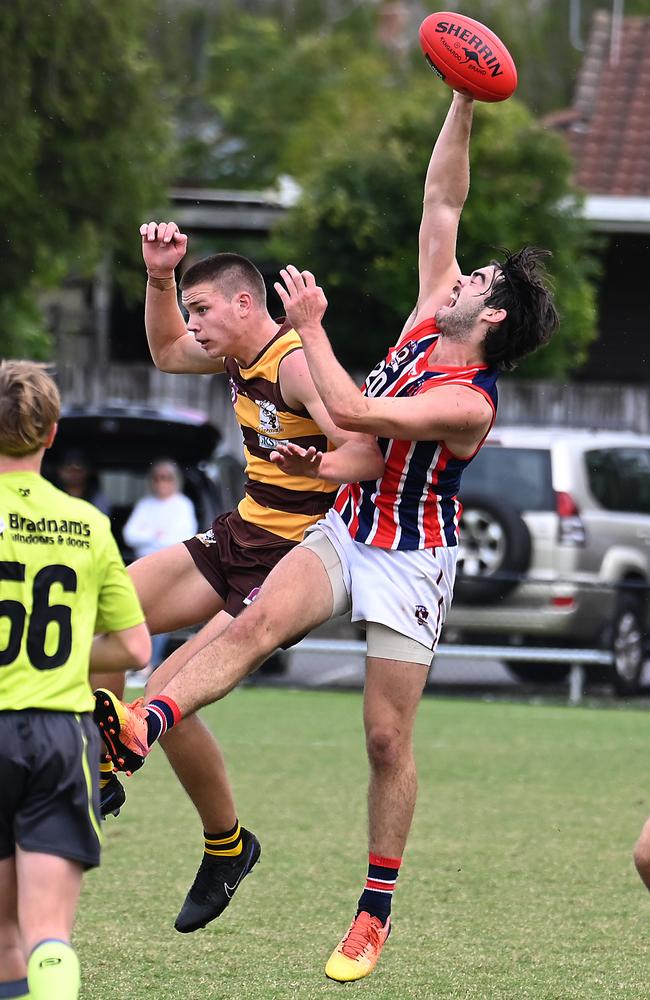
(105, 771)
(224, 845)
(53, 972)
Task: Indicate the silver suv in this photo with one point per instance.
(555, 547)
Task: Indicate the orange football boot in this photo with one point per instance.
(358, 953)
(123, 729)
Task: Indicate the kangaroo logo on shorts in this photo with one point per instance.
(269, 420)
(207, 538)
(421, 614)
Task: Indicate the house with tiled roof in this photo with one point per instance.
(608, 131)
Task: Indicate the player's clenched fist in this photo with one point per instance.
(163, 246)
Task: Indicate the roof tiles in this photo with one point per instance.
(608, 127)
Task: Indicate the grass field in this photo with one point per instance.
(517, 882)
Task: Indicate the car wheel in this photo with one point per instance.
(626, 638)
(538, 673)
(493, 552)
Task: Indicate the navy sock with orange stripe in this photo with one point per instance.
(162, 714)
(377, 895)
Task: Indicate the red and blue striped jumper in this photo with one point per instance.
(413, 505)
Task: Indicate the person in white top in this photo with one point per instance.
(160, 519)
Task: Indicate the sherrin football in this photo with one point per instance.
(468, 56)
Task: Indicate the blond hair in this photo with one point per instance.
(29, 406)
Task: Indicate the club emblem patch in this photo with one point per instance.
(421, 614)
(269, 420)
(207, 538)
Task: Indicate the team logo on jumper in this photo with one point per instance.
(270, 444)
(421, 614)
(251, 597)
(207, 538)
(269, 420)
(405, 353)
(414, 387)
(24, 491)
(233, 390)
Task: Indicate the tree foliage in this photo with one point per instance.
(353, 122)
(84, 150)
(357, 134)
(356, 224)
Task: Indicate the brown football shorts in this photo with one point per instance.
(235, 557)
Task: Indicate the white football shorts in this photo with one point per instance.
(407, 593)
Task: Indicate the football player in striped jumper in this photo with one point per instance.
(387, 550)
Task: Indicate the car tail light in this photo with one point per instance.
(571, 530)
(563, 601)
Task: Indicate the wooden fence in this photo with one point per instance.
(601, 406)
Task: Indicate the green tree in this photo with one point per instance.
(84, 151)
(357, 221)
(322, 101)
(262, 79)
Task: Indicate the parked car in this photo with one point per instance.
(121, 442)
(555, 548)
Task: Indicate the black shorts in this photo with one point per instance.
(49, 785)
(236, 557)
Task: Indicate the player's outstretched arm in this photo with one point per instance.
(456, 414)
(305, 304)
(172, 348)
(356, 456)
(445, 191)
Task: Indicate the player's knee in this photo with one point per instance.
(385, 746)
(259, 628)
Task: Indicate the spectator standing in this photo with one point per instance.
(163, 517)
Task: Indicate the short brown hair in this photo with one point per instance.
(29, 407)
(230, 273)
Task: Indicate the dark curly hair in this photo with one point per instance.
(521, 287)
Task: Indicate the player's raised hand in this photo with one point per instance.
(297, 461)
(163, 246)
(304, 301)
